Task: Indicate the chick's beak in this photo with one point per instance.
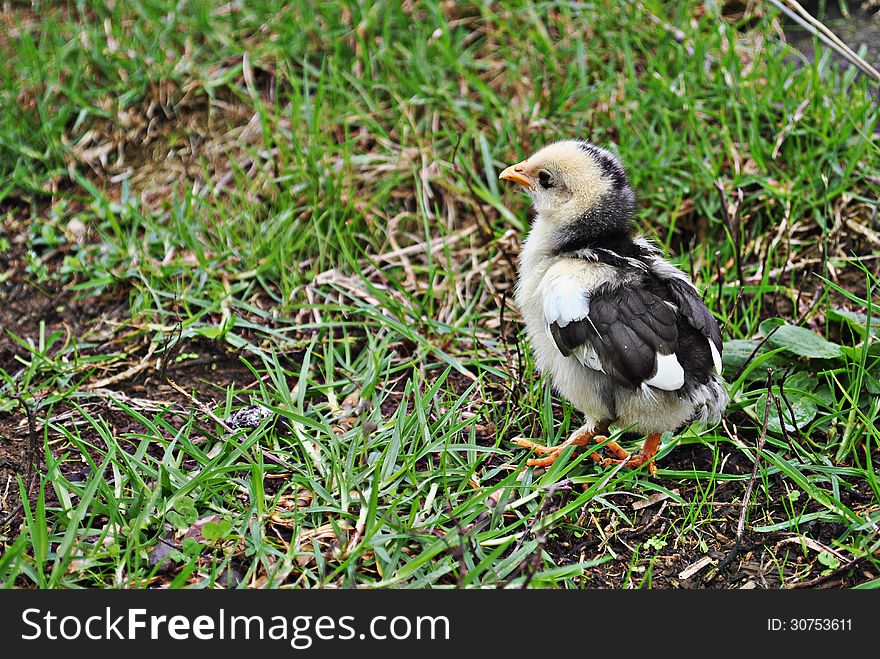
(516, 174)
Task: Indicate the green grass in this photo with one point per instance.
(310, 202)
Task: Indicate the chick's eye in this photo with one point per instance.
(545, 179)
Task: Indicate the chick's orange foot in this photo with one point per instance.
(583, 438)
(645, 456)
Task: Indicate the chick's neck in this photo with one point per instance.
(608, 227)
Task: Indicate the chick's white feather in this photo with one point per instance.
(565, 300)
(716, 357)
(669, 375)
(588, 356)
(565, 290)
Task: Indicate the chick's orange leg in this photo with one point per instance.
(646, 455)
(619, 452)
(581, 437)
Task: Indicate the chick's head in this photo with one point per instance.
(572, 179)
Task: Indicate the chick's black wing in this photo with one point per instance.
(630, 329)
(692, 308)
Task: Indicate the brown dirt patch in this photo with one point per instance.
(175, 139)
(706, 554)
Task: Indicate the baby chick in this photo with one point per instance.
(622, 333)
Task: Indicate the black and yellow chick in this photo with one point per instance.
(622, 333)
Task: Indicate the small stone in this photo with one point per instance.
(249, 417)
(77, 230)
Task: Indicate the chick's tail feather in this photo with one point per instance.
(711, 400)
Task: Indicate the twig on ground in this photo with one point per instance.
(731, 217)
(824, 577)
(732, 310)
(170, 348)
(782, 425)
(204, 408)
(126, 374)
(740, 527)
(799, 15)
